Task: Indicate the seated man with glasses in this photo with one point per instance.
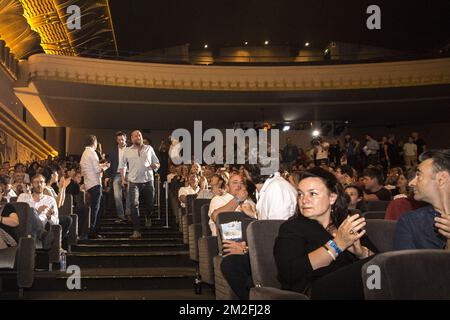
(44, 207)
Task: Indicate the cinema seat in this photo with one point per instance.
(408, 275)
(67, 210)
(223, 289)
(195, 229)
(186, 219)
(22, 257)
(381, 233)
(261, 237)
(377, 205)
(83, 213)
(207, 250)
(374, 214)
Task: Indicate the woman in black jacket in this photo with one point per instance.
(320, 251)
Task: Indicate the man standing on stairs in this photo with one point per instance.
(115, 178)
(91, 169)
(141, 160)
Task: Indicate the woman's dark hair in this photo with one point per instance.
(346, 169)
(339, 209)
(47, 173)
(254, 171)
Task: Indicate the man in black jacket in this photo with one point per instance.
(115, 157)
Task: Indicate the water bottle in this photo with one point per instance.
(63, 265)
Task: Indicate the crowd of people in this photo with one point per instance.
(322, 195)
(322, 245)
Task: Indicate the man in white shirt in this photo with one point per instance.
(277, 199)
(91, 169)
(141, 160)
(192, 188)
(236, 199)
(44, 206)
(410, 153)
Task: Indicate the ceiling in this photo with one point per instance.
(409, 26)
(96, 106)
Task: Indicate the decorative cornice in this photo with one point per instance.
(15, 30)
(239, 78)
(17, 129)
(49, 19)
(8, 61)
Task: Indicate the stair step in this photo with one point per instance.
(120, 294)
(119, 227)
(129, 247)
(145, 234)
(176, 239)
(114, 279)
(130, 259)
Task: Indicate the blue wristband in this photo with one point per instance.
(335, 247)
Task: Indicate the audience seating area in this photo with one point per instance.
(410, 274)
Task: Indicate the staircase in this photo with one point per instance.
(157, 266)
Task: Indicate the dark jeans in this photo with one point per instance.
(343, 284)
(373, 159)
(148, 193)
(95, 195)
(65, 222)
(236, 270)
(35, 225)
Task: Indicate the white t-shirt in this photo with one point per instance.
(218, 202)
(205, 194)
(10, 195)
(43, 201)
(90, 168)
(277, 199)
(410, 149)
(185, 191)
(121, 152)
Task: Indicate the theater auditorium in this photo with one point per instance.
(194, 150)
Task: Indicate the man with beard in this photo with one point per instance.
(46, 209)
(141, 160)
(428, 227)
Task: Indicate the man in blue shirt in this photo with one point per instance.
(428, 227)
